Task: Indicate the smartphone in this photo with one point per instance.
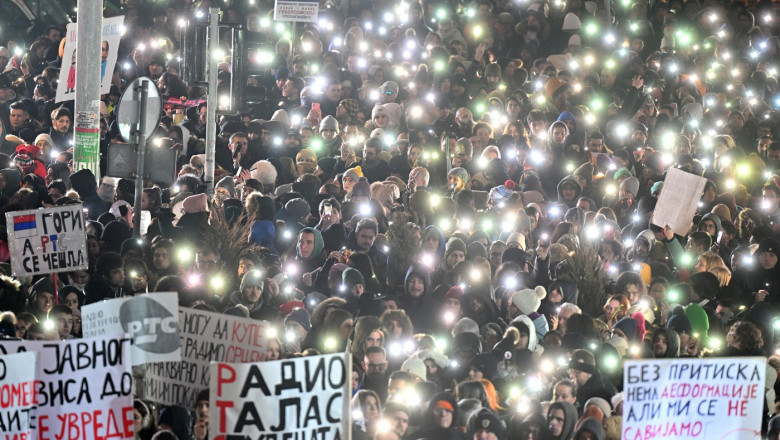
(327, 210)
(316, 107)
(544, 240)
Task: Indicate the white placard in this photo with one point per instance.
(83, 388)
(307, 397)
(711, 398)
(296, 10)
(205, 337)
(678, 201)
(151, 319)
(17, 390)
(112, 33)
(47, 240)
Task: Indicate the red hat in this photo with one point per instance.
(454, 292)
(289, 306)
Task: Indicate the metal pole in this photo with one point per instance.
(86, 142)
(238, 68)
(213, 100)
(140, 136)
(292, 46)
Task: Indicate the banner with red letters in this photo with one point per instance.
(83, 388)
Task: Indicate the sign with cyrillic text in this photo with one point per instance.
(711, 398)
(296, 10)
(47, 240)
(17, 388)
(83, 388)
(204, 337)
(305, 397)
(151, 319)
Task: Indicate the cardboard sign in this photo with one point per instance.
(47, 240)
(711, 398)
(112, 33)
(298, 10)
(83, 388)
(17, 387)
(151, 319)
(306, 397)
(204, 337)
(678, 201)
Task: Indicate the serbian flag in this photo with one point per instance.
(24, 225)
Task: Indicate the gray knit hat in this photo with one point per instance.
(252, 278)
(228, 183)
(329, 123)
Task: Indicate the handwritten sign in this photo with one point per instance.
(713, 398)
(152, 320)
(47, 240)
(305, 397)
(83, 388)
(204, 337)
(17, 386)
(678, 201)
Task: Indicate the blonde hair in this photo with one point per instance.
(723, 274)
(711, 260)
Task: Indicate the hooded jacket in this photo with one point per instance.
(430, 430)
(672, 342)
(489, 313)
(422, 309)
(262, 310)
(533, 337)
(317, 257)
(570, 419)
(84, 183)
(569, 180)
(569, 292)
(435, 229)
(715, 219)
(592, 426)
(263, 233)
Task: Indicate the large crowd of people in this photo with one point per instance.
(461, 195)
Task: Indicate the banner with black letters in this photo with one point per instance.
(151, 319)
(710, 398)
(307, 397)
(83, 388)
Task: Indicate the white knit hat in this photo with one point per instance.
(415, 366)
(571, 22)
(529, 300)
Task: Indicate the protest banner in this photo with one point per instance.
(204, 337)
(300, 398)
(152, 320)
(678, 201)
(296, 10)
(17, 382)
(711, 398)
(47, 240)
(112, 32)
(83, 388)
